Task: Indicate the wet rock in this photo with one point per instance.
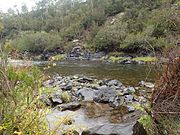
(129, 98)
(114, 83)
(118, 101)
(85, 80)
(56, 98)
(98, 55)
(133, 128)
(69, 106)
(131, 89)
(147, 84)
(131, 109)
(86, 94)
(105, 95)
(66, 87)
(46, 100)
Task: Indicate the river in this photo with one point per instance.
(129, 74)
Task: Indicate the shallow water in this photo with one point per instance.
(91, 114)
(127, 74)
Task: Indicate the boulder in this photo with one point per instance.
(105, 95)
(134, 128)
(86, 94)
(69, 106)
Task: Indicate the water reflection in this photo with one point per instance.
(128, 74)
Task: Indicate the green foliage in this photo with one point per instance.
(114, 8)
(66, 97)
(36, 41)
(73, 32)
(145, 59)
(20, 106)
(145, 120)
(108, 25)
(109, 37)
(1, 26)
(116, 59)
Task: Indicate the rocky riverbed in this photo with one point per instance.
(95, 106)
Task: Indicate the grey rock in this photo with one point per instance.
(134, 128)
(105, 95)
(131, 89)
(147, 84)
(131, 108)
(46, 100)
(129, 98)
(85, 80)
(114, 83)
(69, 106)
(56, 98)
(118, 101)
(87, 94)
(66, 87)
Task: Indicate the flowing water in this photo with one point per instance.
(128, 74)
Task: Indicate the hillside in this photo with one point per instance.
(131, 26)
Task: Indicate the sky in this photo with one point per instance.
(6, 4)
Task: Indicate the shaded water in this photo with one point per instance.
(127, 74)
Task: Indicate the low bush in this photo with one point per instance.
(37, 42)
(65, 97)
(21, 110)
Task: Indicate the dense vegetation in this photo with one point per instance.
(133, 26)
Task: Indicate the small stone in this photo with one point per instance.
(69, 106)
(131, 89)
(114, 83)
(67, 87)
(129, 98)
(131, 109)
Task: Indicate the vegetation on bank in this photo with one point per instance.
(163, 114)
(132, 26)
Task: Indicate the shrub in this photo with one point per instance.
(20, 106)
(66, 97)
(114, 8)
(36, 42)
(109, 37)
(73, 31)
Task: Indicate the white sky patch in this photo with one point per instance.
(6, 4)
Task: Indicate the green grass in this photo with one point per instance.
(66, 97)
(48, 90)
(145, 59)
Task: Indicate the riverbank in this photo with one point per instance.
(95, 103)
